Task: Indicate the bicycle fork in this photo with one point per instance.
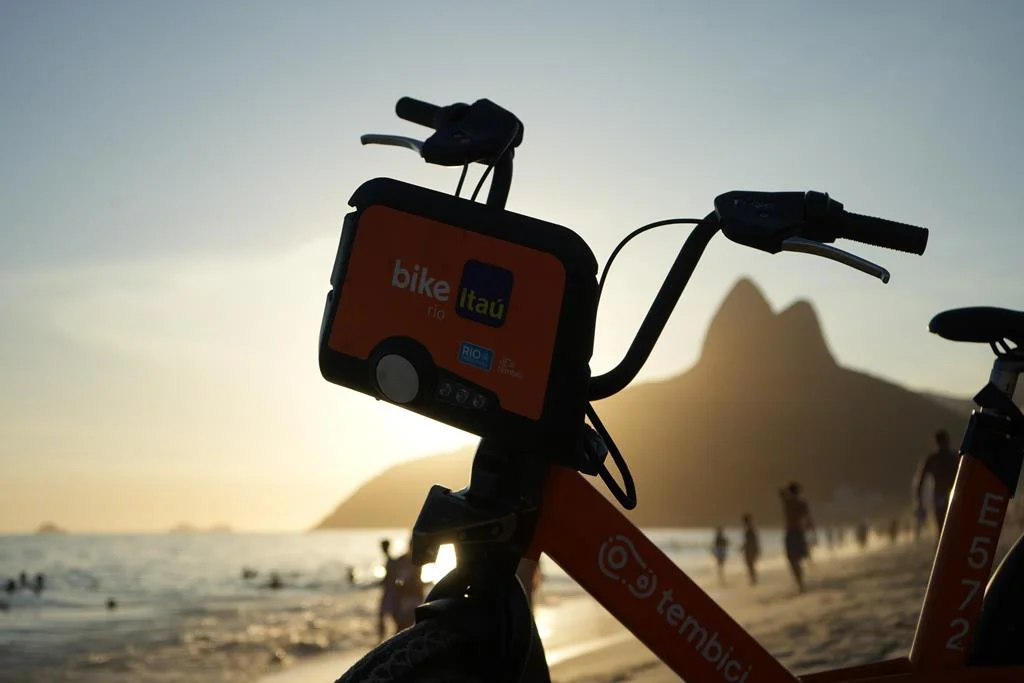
(489, 523)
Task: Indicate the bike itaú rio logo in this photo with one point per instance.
(483, 295)
(612, 560)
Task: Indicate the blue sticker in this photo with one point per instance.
(484, 293)
(477, 356)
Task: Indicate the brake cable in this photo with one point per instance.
(504, 150)
(462, 179)
(625, 494)
(627, 238)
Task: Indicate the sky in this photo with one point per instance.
(173, 178)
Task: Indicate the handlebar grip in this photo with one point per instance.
(884, 233)
(417, 111)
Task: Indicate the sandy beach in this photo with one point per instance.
(859, 607)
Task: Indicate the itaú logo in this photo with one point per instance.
(418, 281)
(485, 291)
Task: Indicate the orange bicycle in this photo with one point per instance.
(484, 319)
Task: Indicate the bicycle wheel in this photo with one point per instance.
(426, 652)
(431, 652)
(999, 640)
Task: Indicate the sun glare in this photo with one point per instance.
(432, 573)
(390, 434)
(542, 618)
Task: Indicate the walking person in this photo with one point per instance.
(720, 549)
(409, 590)
(798, 522)
(389, 594)
(751, 547)
(941, 466)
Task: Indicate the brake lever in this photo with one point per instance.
(393, 140)
(806, 246)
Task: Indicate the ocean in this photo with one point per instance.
(185, 612)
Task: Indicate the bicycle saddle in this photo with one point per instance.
(983, 324)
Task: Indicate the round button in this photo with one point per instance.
(397, 378)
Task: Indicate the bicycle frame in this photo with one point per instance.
(965, 555)
(613, 561)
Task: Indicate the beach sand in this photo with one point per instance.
(859, 607)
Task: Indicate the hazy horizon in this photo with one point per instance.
(174, 178)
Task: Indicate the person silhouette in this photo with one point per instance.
(403, 589)
(389, 595)
(861, 533)
(751, 547)
(941, 466)
(720, 549)
(798, 522)
(409, 588)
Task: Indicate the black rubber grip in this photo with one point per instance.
(884, 233)
(417, 111)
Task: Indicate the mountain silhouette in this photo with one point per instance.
(745, 331)
(962, 406)
(393, 498)
(766, 403)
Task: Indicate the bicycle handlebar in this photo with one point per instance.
(772, 222)
(769, 221)
(882, 232)
(418, 111)
(765, 220)
(463, 134)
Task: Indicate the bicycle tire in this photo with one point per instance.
(999, 639)
(426, 652)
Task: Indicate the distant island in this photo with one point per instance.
(766, 403)
(186, 528)
(50, 528)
